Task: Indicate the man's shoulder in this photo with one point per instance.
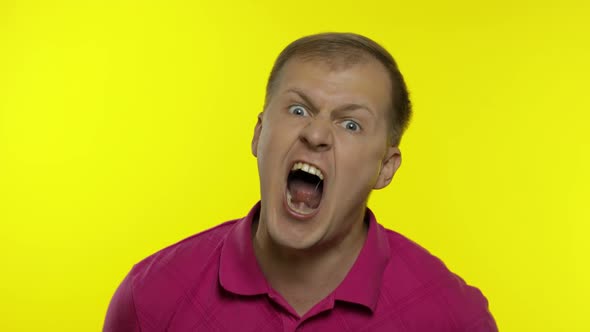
(414, 258)
(159, 284)
(421, 288)
(185, 257)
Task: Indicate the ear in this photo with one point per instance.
(256, 137)
(391, 162)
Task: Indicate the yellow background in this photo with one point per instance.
(125, 126)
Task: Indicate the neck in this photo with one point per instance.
(306, 276)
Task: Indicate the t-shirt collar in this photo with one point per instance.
(240, 273)
(363, 282)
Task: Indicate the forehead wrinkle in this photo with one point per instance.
(330, 66)
(343, 106)
(335, 59)
(333, 62)
(347, 108)
(303, 96)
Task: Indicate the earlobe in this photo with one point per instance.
(256, 136)
(391, 164)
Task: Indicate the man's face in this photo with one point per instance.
(329, 120)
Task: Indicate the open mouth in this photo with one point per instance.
(305, 188)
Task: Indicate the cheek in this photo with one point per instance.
(263, 140)
(280, 133)
(267, 134)
(362, 164)
(274, 142)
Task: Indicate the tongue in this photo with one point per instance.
(302, 191)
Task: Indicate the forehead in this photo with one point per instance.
(336, 81)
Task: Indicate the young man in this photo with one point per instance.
(310, 256)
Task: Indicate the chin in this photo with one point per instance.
(294, 234)
(299, 242)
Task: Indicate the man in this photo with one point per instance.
(310, 256)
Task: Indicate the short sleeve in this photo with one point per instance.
(121, 315)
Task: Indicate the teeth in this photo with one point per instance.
(308, 169)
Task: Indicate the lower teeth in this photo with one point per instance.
(300, 207)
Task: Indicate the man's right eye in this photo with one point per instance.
(298, 110)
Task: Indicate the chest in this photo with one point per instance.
(263, 314)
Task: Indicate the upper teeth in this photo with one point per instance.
(309, 169)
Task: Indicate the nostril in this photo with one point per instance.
(317, 140)
(315, 145)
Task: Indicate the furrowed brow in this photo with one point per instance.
(353, 107)
(342, 109)
(305, 98)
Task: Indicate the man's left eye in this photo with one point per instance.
(351, 125)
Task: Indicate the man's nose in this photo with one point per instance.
(317, 135)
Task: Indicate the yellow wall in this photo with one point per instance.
(125, 127)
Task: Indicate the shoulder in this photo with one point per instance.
(154, 287)
(186, 256)
(414, 259)
(185, 250)
(426, 295)
(162, 281)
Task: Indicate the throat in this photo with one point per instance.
(304, 278)
(307, 281)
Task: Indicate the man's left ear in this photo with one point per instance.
(391, 162)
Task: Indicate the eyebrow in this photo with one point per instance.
(344, 108)
(305, 98)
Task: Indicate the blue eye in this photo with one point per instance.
(298, 110)
(351, 125)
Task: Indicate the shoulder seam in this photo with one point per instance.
(191, 237)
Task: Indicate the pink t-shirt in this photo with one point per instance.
(212, 282)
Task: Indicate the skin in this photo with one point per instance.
(334, 118)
